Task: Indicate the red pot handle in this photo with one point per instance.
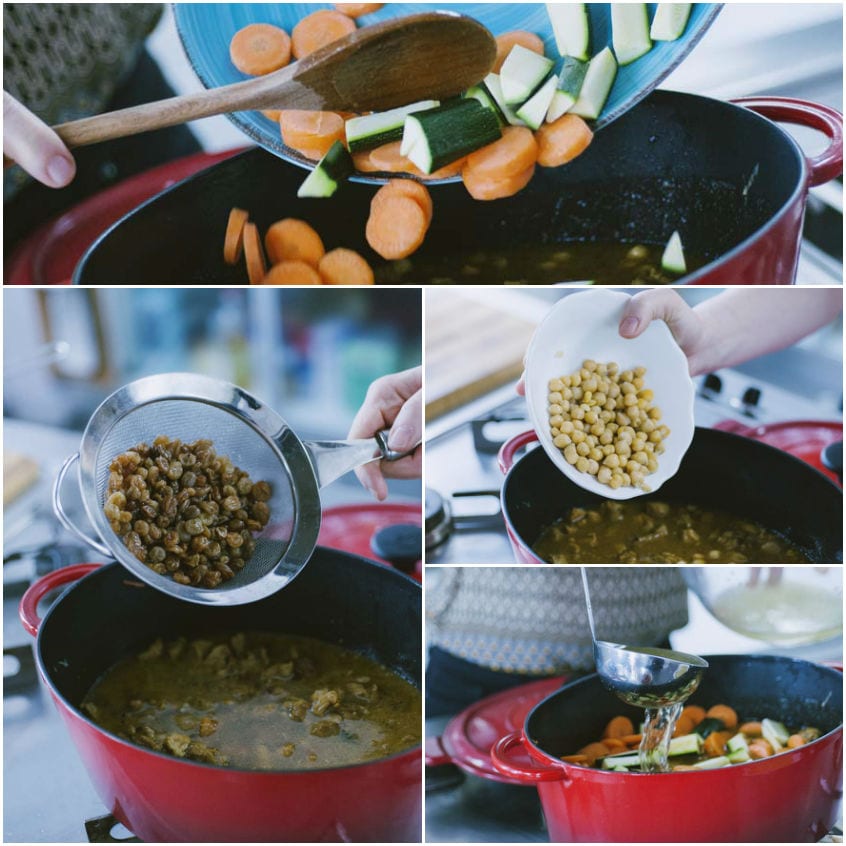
(435, 754)
(28, 610)
(502, 761)
(510, 448)
(827, 165)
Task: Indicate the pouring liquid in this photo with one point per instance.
(658, 729)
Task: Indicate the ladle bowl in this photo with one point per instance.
(647, 677)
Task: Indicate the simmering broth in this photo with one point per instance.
(257, 701)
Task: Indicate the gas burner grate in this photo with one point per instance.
(107, 829)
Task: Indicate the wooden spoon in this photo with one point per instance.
(432, 55)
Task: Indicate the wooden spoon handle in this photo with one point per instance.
(276, 90)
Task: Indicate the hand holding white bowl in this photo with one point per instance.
(586, 326)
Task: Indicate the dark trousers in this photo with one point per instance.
(102, 165)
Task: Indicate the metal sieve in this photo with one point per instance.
(254, 437)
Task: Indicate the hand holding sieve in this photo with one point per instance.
(255, 438)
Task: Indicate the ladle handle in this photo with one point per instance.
(587, 602)
(59, 510)
(332, 459)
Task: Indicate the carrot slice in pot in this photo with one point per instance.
(292, 272)
(253, 254)
(233, 240)
(397, 227)
(291, 239)
(345, 267)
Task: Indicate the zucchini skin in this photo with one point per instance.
(452, 132)
(708, 726)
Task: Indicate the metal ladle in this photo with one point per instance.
(646, 677)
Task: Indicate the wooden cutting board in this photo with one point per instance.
(472, 347)
(19, 473)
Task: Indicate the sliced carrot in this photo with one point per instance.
(253, 254)
(515, 151)
(407, 188)
(272, 114)
(291, 239)
(345, 267)
(358, 10)
(258, 49)
(795, 740)
(593, 751)
(362, 162)
(725, 713)
(760, 748)
(574, 759)
(684, 725)
(618, 727)
(292, 272)
(632, 739)
(396, 228)
(715, 743)
(695, 712)
(614, 744)
(310, 131)
(445, 172)
(387, 158)
(506, 41)
(562, 140)
(233, 241)
(481, 188)
(752, 729)
(319, 29)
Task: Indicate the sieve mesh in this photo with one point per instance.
(190, 419)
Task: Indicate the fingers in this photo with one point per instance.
(34, 146)
(393, 402)
(647, 306)
(520, 387)
(407, 429)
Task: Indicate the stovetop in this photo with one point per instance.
(461, 448)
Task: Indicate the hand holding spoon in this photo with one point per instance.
(432, 55)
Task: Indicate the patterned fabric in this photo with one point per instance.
(65, 60)
(534, 621)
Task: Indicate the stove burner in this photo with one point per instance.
(102, 830)
(24, 677)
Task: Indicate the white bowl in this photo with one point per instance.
(585, 325)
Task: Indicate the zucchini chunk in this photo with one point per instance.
(630, 31)
(335, 167)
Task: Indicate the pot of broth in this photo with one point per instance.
(737, 196)
(294, 718)
(792, 796)
(733, 500)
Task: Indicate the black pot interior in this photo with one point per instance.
(337, 598)
(795, 692)
(676, 161)
(720, 470)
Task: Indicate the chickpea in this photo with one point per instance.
(604, 422)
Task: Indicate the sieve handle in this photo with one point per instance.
(332, 459)
(59, 509)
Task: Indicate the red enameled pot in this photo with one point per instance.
(723, 174)
(792, 797)
(720, 470)
(338, 597)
